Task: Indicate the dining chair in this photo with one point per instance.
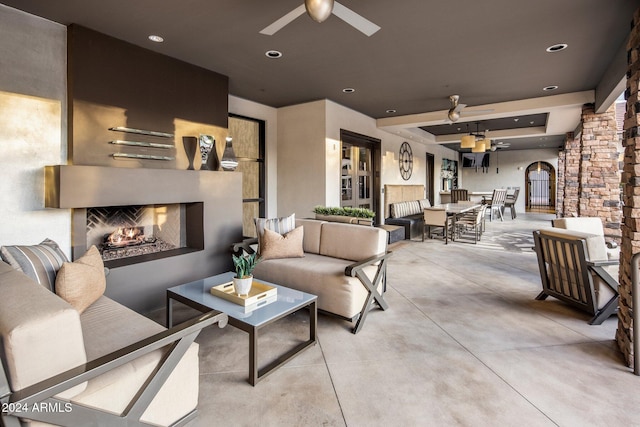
(471, 221)
(510, 202)
(459, 194)
(497, 203)
(438, 218)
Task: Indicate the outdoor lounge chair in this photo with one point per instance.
(574, 268)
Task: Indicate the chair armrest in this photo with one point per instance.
(245, 246)
(188, 331)
(602, 263)
(352, 269)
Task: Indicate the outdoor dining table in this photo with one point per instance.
(455, 209)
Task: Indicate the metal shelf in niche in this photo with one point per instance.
(142, 132)
(141, 144)
(142, 156)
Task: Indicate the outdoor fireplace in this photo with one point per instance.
(131, 231)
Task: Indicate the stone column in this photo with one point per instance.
(631, 180)
(571, 176)
(599, 180)
(560, 182)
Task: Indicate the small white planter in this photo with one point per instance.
(242, 286)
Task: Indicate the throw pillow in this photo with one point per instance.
(82, 282)
(275, 245)
(39, 262)
(280, 225)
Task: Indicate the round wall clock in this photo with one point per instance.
(406, 161)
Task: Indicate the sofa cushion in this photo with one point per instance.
(41, 334)
(109, 326)
(312, 231)
(596, 247)
(82, 282)
(322, 276)
(39, 262)
(280, 225)
(352, 242)
(400, 209)
(275, 245)
(424, 203)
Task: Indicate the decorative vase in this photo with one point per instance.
(213, 161)
(229, 161)
(206, 144)
(242, 286)
(190, 143)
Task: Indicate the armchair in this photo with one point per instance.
(574, 268)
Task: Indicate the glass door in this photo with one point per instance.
(357, 176)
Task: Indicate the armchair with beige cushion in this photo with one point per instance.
(85, 358)
(574, 268)
(592, 225)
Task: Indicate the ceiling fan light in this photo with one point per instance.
(454, 115)
(480, 147)
(468, 141)
(319, 10)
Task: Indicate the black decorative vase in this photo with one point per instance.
(213, 162)
(190, 144)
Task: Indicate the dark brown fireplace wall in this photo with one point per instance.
(115, 83)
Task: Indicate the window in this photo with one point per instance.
(249, 145)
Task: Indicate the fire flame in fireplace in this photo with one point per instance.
(126, 236)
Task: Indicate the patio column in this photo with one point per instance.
(599, 171)
(631, 179)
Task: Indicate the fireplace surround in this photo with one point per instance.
(210, 204)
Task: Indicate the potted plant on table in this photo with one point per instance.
(244, 265)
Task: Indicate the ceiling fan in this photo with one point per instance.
(456, 109)
(500, 144)
(320, 10)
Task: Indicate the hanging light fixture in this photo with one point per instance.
(468, 141)
(319, 10)
(480, 147)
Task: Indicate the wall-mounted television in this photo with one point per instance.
(475, 160)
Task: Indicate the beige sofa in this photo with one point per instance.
(343, 264)
(43, 336)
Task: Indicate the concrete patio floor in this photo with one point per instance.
(463, 343)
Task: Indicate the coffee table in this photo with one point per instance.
(197, 295)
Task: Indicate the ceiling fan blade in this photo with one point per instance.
(285, 20)
(471, 112)
(358, 22)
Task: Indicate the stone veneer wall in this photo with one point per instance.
(571, 176)
(631, 179)
(599, 178)
(589, 181)
(560, 182)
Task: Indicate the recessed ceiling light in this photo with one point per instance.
(549, 88)
(557, 47)
(274, 54)
(348, 90)
(155, 38)
(390, 111)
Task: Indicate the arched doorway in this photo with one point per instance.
(541, 187)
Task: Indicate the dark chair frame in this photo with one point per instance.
(21, 403)
(573, 252)
(459, 194)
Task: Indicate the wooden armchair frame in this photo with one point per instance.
(24, 403)
(568, 276)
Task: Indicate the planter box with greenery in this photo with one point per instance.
(346, 214)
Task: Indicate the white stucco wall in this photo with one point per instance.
(32, 127)
(508, 169)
